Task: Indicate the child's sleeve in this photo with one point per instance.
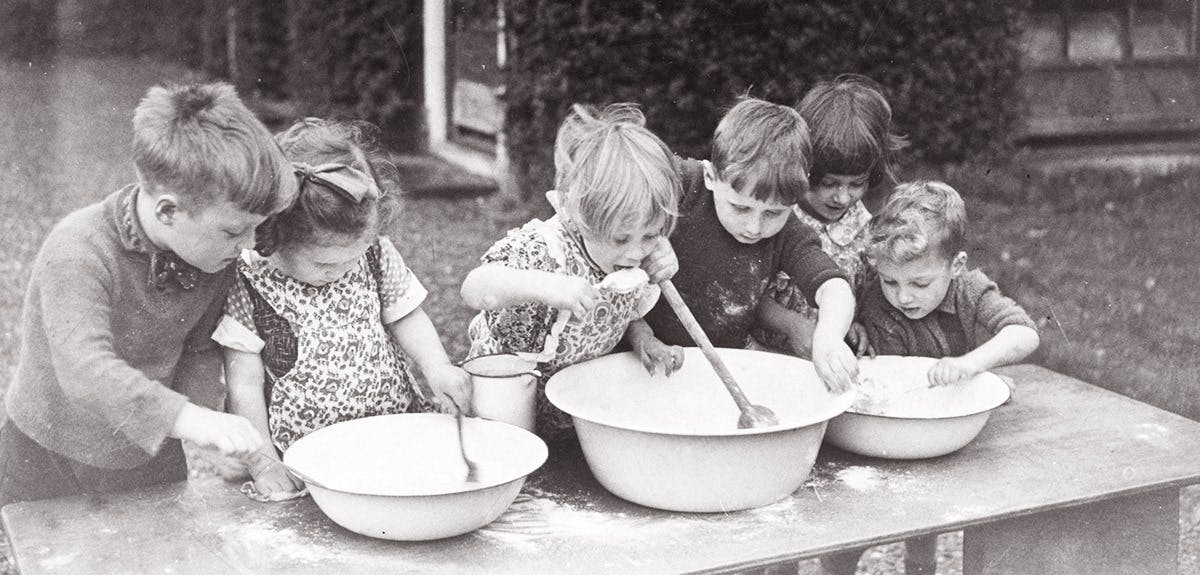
(236, 330)
(887, 333)
(77, 318)
(799, 255)
(992, 311)
(521, 328)
(400, 292)
(198, 373)
(522, 249)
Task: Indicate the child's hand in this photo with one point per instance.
(452, 382)
(654, 353)
(951, 370)
(270, 477)
(570, 293)
(661, 264)
(857, 337)
(230, 434)
(836, 365)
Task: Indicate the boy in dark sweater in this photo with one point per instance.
(116, 365)
(736, 231)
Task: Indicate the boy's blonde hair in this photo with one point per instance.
(200, 142)
(763, 149)
(610, 169)
(919, 216)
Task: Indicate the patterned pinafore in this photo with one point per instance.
(346, 365)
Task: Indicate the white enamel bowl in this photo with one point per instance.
(922, 423)
(673, 443)
(401, 476)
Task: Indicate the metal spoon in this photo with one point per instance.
(752, 415)
(303, 476)
(472, 468)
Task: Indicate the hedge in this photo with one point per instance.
(352, 58)
(949, 66)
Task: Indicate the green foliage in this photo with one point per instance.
(353, 58)
(949, 67)
(358, 58)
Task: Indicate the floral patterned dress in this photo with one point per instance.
(537, 329)
(844, 240)
(327, 352)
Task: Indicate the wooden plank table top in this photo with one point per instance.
(1060, 443)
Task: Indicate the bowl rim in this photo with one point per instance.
(543, 454)
(988, 376)
(838, 404)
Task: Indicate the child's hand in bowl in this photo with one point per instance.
(450, 381)
(951, 370)
(653, 354)
(661, 264)
(835, 363)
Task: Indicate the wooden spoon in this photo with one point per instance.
(752, 415)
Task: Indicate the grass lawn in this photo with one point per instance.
(1109, 272)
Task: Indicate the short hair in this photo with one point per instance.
(763, 149)
(919, 216)
(318, 209)
(851, 126)
(609, 168)
(201, 142)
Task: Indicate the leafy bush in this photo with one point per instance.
(358, 58)
(949, 66)
(353, 58)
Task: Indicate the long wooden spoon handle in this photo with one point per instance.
(693, 328)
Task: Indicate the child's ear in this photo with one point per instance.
(959, 264)
(166, 207)
(554, 198)
(710, 174)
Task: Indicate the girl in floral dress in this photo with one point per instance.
(540, 289)
(325, 316)
(850, 123)
(853, 147)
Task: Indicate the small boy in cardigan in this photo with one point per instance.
(116, 365)
(925, 302)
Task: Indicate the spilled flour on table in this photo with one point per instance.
(861, 478)
(267, 536)
(536, 514)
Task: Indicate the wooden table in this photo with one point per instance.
(1066, 478)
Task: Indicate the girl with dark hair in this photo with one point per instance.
(325, 316)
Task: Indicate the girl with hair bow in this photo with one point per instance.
(326, 318)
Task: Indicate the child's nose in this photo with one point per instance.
(843, 194)
(246, 242)
(754, 225)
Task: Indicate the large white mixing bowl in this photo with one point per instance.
(673, 442)
(401, 476)
(915, 421)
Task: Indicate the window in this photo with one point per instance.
(1096, 31)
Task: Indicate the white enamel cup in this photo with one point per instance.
(505, 388)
